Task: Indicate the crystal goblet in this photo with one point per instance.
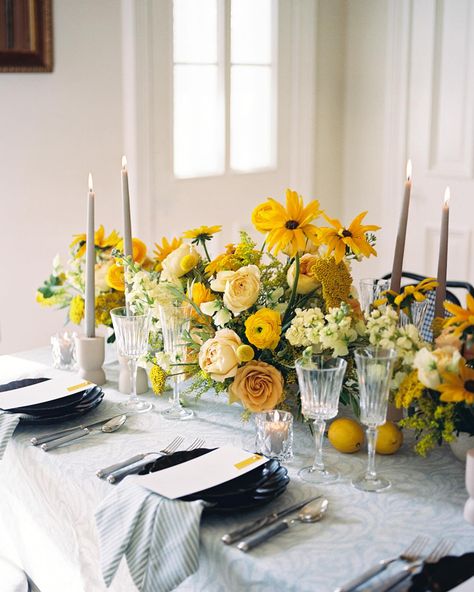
(374, 370)
(131, 332)
(175, 321)
(320, 381)
(370, 291)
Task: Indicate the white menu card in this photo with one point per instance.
(208, 470)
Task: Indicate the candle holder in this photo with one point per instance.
(274, 437)
(90, 352)
(63, 350)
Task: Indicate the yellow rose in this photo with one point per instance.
(241, 287)
(172, 267)
(258, 386)
(263, 329)
(306, 282)
(218, 355)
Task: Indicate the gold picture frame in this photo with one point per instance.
(26, 36)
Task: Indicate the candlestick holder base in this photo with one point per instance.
(90, 353)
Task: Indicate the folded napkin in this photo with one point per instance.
(159, 537)
(8, 423)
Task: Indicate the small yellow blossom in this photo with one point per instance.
(158, 379)
(76, 310)
(189, 262)
(410, 389)
(245, 353)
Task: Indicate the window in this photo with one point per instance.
(224, 90)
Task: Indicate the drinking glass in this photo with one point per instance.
(320, 381)
(374, 369)
(175, 322)
(131, 332)
(370, 291)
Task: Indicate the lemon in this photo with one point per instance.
(389, 438)
(346, 435)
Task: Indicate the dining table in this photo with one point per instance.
(48, 502)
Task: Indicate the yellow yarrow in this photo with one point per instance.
(76, 310)
(158, 379)
(263, 329)
(409, 390)
(104, 303)
(335, 280)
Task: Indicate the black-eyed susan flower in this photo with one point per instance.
(339, 238)
(457, 388)
(288, 228)
(202, 233)
(462, 318)
(78, 245)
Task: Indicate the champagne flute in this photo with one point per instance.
(374, 369)
(175, 320)
(131, 331)
(320, 381)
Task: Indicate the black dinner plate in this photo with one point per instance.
(445, 574)
(38, 408)
(72, 414)
(259, 486)
(81, 402)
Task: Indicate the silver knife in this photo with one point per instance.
(252, 527)
(48, 437)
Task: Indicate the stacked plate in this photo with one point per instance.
(259, 486)
(62, 409)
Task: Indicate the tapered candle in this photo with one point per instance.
(443, 257)
(401, 235)
(90, 264)
(127, 223)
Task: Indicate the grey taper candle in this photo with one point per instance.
(90, 264)
(401, 235)
(443, 257)
(127, 223)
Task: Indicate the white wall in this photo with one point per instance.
(54, 129)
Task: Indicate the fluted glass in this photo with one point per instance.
(131, 333)
(374, 370)
(175, 323)
(320, 381)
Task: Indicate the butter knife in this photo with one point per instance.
(49, 437)
(252, 527)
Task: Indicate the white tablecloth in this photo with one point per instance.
(47, 504)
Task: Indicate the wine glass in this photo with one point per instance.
(320, 381)
(175, 321)
(370, 291)
(131, 331)
(374, 369)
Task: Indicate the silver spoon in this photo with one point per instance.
(312, 512)
(111, 426)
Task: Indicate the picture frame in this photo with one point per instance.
(26, 36)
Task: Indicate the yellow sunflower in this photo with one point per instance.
(338, 237)
(457, 388)
(462, 317)
(288, 228)
(203, 233)
(78, 245)
(162, 251)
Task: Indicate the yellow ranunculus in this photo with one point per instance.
(138, 249)
(115, 277)
(263, 329)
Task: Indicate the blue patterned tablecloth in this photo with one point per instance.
(47, 504)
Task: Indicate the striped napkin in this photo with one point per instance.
(159, 537)
(8, 423)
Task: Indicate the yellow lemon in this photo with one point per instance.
(346, 435)
(389, 438)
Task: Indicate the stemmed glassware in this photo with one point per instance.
(370, 291)
(374, 369)
(131, 331)
(320, 381)
(175, 321)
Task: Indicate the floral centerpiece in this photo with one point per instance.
(439, 391)
(255, 309)
(65, 286)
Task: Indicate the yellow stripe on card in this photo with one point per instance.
(77, 386)
(248, 461)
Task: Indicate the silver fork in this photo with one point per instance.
(441, 550)
(121, 473)
(172, 447)
(410, 554)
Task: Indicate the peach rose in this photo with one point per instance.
(218, 355)
(258, 386)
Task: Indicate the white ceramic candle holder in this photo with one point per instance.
(90, 352)
(124, 383)
(469, 507)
